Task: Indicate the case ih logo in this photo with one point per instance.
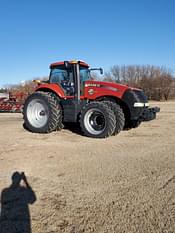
(92, 85)
(91, 91)
(102, 86)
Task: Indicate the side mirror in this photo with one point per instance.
(101, 71)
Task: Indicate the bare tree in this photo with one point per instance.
(155, 81)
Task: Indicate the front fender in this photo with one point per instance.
(132, 98)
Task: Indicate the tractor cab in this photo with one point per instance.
(69, 75)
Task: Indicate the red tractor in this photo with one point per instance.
(71, 95)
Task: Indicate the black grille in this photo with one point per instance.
(140, 96)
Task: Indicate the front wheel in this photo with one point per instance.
(97, 120)
(41, 113)
(120, 118)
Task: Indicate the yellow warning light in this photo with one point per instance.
(73, 62)
(37, 81)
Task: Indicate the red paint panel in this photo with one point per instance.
(99, 89)
(53, 88)
(62, 63)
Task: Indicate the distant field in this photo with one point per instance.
(121, 184)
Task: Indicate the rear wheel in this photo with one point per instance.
(60, 116)
(42, 113)
(97, 120)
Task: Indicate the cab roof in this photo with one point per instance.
(82, 63)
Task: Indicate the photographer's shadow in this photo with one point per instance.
(15, 214)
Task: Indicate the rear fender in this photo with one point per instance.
(54, 88)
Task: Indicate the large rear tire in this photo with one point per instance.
(60, 124)
(97, 120)
(42, 113)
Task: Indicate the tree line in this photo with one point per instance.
(158, 83)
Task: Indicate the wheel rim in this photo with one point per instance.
(94, 121)
(37, 113)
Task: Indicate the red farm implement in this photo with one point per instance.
(12, 102)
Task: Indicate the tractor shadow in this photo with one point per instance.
(15, 200)
(74, 128)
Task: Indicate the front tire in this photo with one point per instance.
(97, 120)
(42, 113)
(120, 117)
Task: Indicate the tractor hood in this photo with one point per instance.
(106, 88)
(110, 85)
(131, 96)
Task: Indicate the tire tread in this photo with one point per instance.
(111, 124)
(120, 118)
(55, 115)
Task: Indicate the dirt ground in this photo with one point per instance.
(125, 183)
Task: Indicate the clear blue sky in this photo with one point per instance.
(35, 33)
